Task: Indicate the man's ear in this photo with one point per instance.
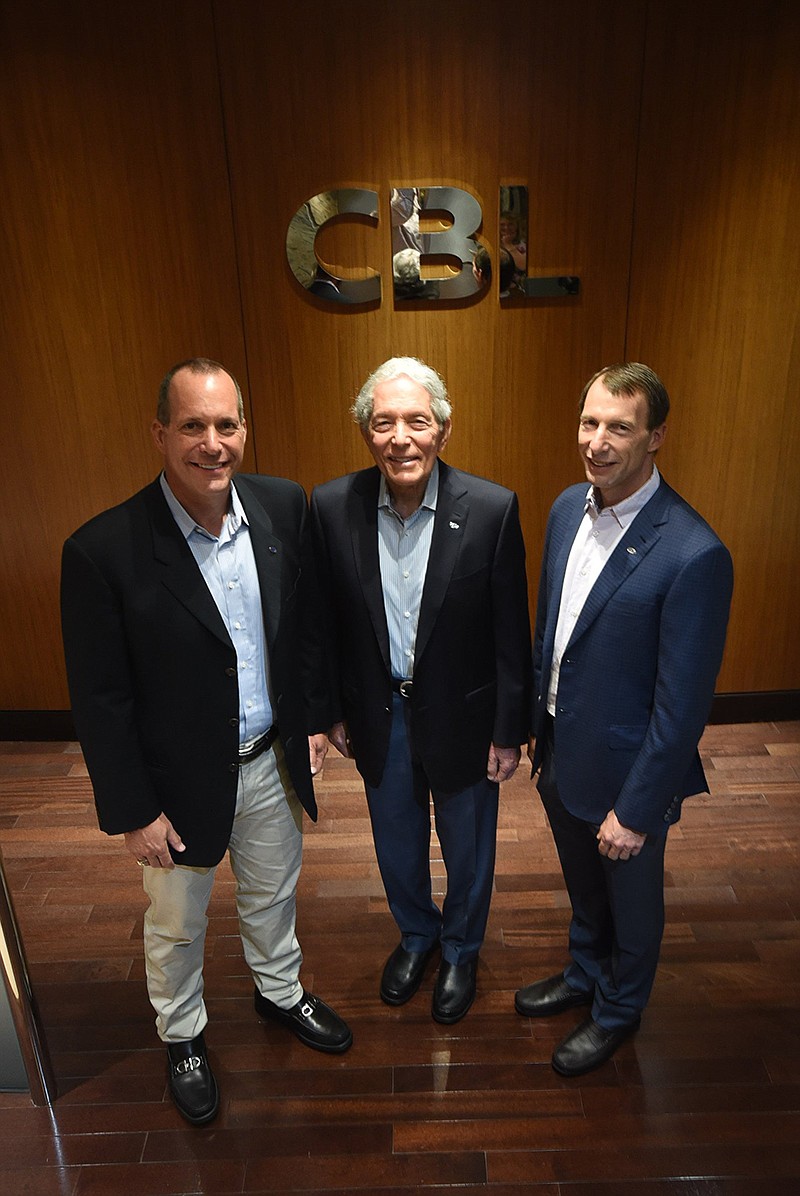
(157, 432)
(657, 438)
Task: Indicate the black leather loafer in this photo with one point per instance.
(454, 991)
(546, 997)
(311, 1020)
(191, 1081)
(587, 1046)
(403, 974)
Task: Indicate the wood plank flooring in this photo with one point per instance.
(703, 1101)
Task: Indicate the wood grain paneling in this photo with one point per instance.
(466, 94)
(714, 297)
(153, 155)
(117, 260)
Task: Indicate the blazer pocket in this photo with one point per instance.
(622, 738)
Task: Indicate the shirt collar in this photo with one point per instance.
(625, 512)
(428, 498)
(235, 518)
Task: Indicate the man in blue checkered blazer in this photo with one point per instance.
(632, 612)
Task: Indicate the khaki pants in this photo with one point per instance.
(265, 852)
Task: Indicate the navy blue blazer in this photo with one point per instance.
(472, 653)
(637, 676)
(152, 670)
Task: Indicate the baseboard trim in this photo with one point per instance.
(38, 726)
(770, 706)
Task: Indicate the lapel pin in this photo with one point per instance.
(454, 526)
(632, 551)
(272, 548)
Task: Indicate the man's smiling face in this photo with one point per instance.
(203, 442)
(404, 437)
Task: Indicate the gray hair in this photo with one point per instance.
(195, 365)
(403, 367)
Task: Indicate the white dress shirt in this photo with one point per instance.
(598, 534)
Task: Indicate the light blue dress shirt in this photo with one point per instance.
(228, 566)
(403, 549)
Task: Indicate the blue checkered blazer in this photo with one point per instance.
(637, 677)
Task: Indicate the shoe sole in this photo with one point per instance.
(204, 1118)
(449, 1019)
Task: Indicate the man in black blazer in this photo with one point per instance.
(423, 572)
(194, 671)
(630, 628)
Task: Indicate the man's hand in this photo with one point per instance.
(317, 751)
(340, 739)
(150, 844)
(616, 842)
(502, 762)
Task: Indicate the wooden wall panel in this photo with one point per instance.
(117, 260)
(714, 297)
(464, 93)
(152, 154)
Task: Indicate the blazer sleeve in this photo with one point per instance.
(692, 631)
(102, 694)
(512, 632)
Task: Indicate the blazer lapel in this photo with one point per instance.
(362, 515)
(180, 573)
(558, 570)
(449, 526)
(268, 552)
(634, 546)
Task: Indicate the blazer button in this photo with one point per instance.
(233, 722)
(233, 767)
(230, 672)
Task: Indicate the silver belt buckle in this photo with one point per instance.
(406, 689)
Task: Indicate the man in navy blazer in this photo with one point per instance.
(199, 700)
(632, 612)
(423, 571)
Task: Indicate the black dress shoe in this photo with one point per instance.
(454, 991)
(191, 1081)
(314, 1022)
(549, 996)
(403, 974)
(587, 1046)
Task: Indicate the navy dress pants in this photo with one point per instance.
(617, 910)
(466, 824)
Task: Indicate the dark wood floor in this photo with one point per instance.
(704, 1101)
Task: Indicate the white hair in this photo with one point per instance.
(403, 367)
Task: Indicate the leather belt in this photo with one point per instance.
(259, 746)
(404, 688)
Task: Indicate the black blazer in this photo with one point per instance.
(472, 658)
(152, 671)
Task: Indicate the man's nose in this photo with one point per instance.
(599, 440)
(400, 431)
(211, 441)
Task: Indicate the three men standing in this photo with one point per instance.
(422, 568)
(630, 628)
(201, 693)
(190, 621)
